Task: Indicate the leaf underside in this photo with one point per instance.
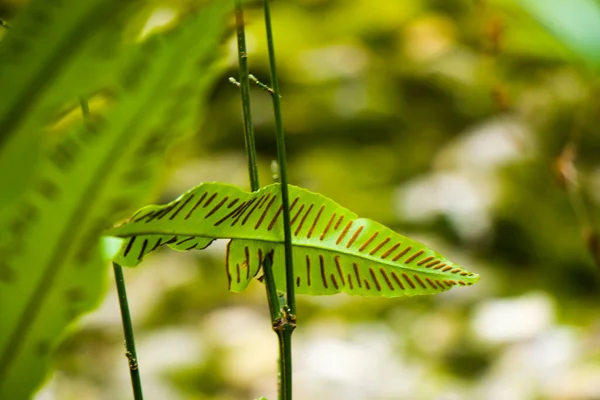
(333, 250)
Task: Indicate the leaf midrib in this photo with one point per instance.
(304, 245)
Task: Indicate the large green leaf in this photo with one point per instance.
(334, 250)
(52, 268)
(55, 51)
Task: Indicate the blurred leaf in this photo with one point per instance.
(575, 22)
(52, 268)
(53, 53)
(334, 250)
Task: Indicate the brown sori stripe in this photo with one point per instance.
(339, 268)
(316, 220)
(334, 282)
(262, 217)
(327, 227)
(216, 208)
(263, 200)
(448, 284)
(189, 214)
(387, 278)
(367, 284)
(296, 215)
(461, 283)
(350, 282)
(355, 236)
(144, 216)
(297, 281)
(181, 207)
(412, 285)
(302, 220)
(440, 266)
(233, 202)
(357, 273)
(322, 262)
(433, 285)
(454, 271)
(172, 240)
(192, 247)
(447, 268)
(379, 246)
(279, 210)
(185, 240)
(411, 258)
(397, 280)
(337, 224)
(210, 199)
(368, 242)
(272, 223)
(344, 232)
(431, 264)
(164, 212)
(418, 278)
(250, 212)
(423, 261)
(464, 273)
(440, 284)
(232, 213)
(158, 243)
(307, 270)
(241, 214)
(260, 258)
(375, 279)
(128, 248)
(237, 270)
(402, 253)
(247, 254)
(143, 250)
(387, 253)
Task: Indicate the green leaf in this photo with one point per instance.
(54, 52)
(52, 268)
(575, 22)
(334, 250)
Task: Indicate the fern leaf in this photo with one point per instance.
(334, 250)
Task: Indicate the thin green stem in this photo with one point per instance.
(245, 91)
(288, 322)
(281, 155)
(275, 309)
(131, 353)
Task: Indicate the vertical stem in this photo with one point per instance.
(136, 383)
(289, 266)
(289, 322)
(245, 91)
(131, 354)
(272, 298)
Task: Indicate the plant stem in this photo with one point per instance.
(289, 265)
(288, 324)
(131, 354)
(275, 309)
(245, 90)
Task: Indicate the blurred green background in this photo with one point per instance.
(467, 124)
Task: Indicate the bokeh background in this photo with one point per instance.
(466, 124)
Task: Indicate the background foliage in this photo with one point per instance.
(446, 121)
